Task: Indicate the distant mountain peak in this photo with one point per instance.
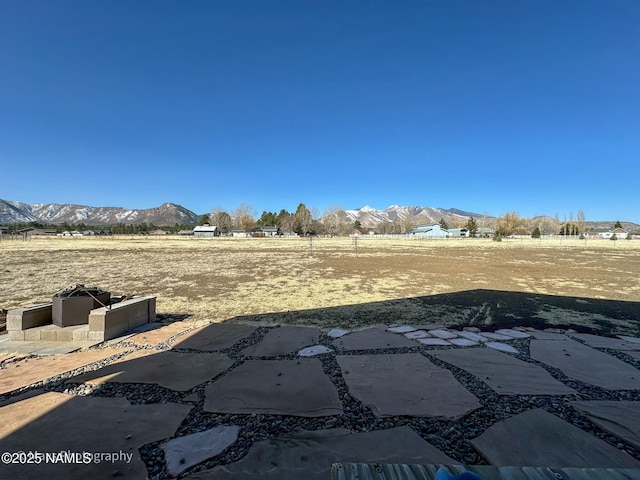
(166, 214)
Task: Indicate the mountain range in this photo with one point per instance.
(54, 213)
(12, 212)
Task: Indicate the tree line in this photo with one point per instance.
(334, 221)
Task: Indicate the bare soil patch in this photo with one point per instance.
(590, 286)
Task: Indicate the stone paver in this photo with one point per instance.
(401, 329)
(512, 333)
(629, 339)
(622, 419)
(185, 452)
(540, 335)
(423, 390)
(54, 422)
(283, 341)
(314, 350)
(282, 387)
(586, 364)
(173, 370)
(430, 326)
(597, 341)
(463, 342)
(159, 335)
(337, 332)
(217, 336)
(25, 372)
(444, 334)
(372, 339)
(495, 336)
(431, 342)
(504, 374)
(539, 439)
(472, 336)
(309, 455)
(503, 347)
(417, 334)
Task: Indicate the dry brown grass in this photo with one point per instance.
(218, 279)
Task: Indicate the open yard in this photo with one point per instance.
(592, 284)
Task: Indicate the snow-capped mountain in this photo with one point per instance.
(369, 217)
(166, 214)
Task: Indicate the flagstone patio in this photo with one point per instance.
(262, 410)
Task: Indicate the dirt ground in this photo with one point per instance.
(587, 285)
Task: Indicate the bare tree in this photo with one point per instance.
(582, 224)
(334, 220)
(511, 224)
(221, 219)
(243, 218)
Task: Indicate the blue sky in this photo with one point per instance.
(486, 106)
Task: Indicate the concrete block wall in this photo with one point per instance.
(105, 323)
(29, 317)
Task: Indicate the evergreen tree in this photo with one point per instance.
(472, 226)
(536, 233)
(443, 224)
(203, 219)
(618, 224)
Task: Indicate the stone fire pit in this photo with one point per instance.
(72, 305)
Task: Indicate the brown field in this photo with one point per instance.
(582, 284)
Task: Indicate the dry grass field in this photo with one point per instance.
(592, 284)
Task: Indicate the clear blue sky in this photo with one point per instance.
(489, 106)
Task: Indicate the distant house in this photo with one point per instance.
(620, 233)
(458, 232)
(206, 230)
(158, 232)
(185, 232)
(239, 233)
(265, 231)
(431, 230)
(88, 233)
(38, 231)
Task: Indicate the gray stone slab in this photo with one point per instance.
(512, 333)
(430, 326)
(463, 342)
(495, 336)
(417, 334)
(539, 439)
(283, 341)
(401, 329)
(282, 387)
(503, 347)
(372, 339)
(309, 455)
(433, 342)
(504, 374)
(405, 384)
(185, 452)
(540, 335)
(314, 350)
(629, 339)
(173, 370)
(337, 332)
(597, 341)
(55, 422)
(621, 419)
(586, 364)
(217, 336)
(444, 334)
(472, 336)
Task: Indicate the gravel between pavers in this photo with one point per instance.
(452, 437)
